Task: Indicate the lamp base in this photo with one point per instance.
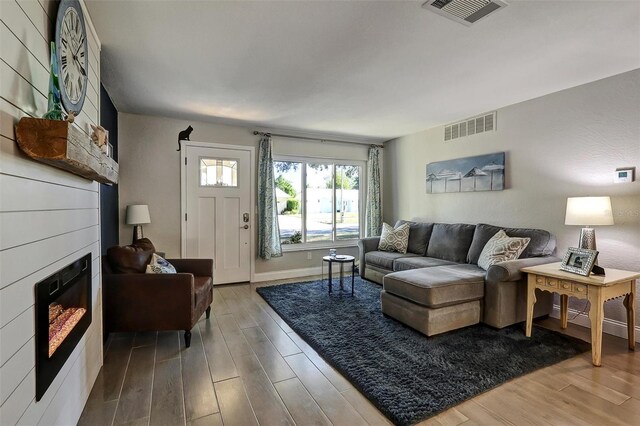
(588, 240)
(137, 232)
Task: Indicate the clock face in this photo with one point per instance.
(71, 47)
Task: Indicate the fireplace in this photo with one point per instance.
(63, 314)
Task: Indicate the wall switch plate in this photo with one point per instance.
(309, 255)
(624, 175)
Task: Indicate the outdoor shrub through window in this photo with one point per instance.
(317, 201)
(289, 200)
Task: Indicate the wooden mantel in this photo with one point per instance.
(62, 145)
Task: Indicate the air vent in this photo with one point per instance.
(466, 12)
(471, 126)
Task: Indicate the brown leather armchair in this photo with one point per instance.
(157, 302)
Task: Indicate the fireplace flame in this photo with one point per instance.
(61, 322)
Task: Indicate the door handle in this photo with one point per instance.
(246, 227)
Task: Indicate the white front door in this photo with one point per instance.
(218, 216)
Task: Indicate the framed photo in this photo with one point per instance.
(579, 261)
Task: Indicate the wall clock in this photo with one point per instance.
(72, 55)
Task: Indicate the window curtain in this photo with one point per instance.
(374, 204)
(268, 229)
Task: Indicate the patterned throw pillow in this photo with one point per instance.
(501, 248)
(394, 239)
(159, 265)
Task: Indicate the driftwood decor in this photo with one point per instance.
(62, 145)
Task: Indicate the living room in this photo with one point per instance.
(307, 125)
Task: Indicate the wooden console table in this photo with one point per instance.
(596, 289)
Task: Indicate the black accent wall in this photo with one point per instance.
(109, 211)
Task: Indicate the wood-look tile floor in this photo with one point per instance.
(245, 366)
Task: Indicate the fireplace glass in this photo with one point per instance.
(63, 310)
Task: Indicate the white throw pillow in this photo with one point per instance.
(501, 248)
(160, 265)
(394, 239)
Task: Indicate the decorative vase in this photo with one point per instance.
(54, 107)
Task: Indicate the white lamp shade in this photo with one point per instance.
(137, 214)
(588, 211)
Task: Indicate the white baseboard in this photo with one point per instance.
(294, 273)
(609, 326)
(286, 274)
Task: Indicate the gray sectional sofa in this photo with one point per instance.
(437, 285)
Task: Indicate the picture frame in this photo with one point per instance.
(579, 261)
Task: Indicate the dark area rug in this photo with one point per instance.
(407, 375)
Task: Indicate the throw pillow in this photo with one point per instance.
(394, 239)
(144, 244)
(131, 259)
(160, 265)
(501, 248)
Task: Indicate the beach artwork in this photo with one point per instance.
(470, 174)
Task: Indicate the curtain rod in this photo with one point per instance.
(311, 139)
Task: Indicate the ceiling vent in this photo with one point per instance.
(471, 126)
(466, 12)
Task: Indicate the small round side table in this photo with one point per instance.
(340, 259)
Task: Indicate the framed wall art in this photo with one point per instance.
(469, 174)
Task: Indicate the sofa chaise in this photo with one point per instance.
(437, 286)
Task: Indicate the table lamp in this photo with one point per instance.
(588, 211)
(137, 214)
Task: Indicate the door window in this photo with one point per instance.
(218, 172)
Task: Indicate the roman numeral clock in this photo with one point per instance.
(72, 55)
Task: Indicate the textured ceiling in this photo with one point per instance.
(371, 70)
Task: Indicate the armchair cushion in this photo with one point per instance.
(131, 259)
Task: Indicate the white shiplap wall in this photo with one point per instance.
(48, 218)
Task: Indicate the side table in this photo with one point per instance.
(340, 259)
(597, 289)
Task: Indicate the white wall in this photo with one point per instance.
(48, 219)
(564, 144)
(150, 174)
